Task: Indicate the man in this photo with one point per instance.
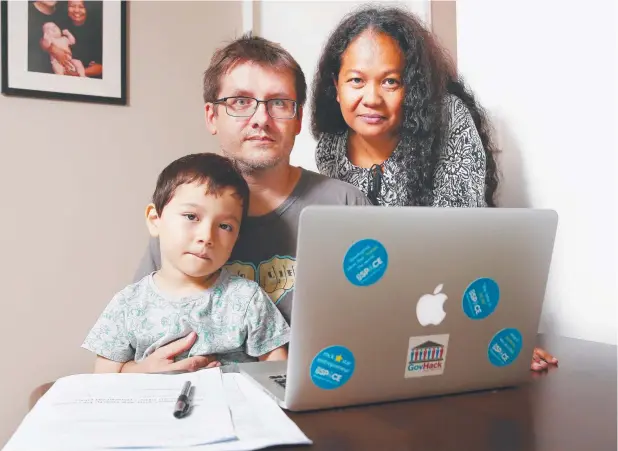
(254, 93)
(40, 13)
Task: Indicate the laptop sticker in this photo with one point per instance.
(332, 367)
(481, 298)
(504, 347)
(426, 356)
(430, 307)
(365, 262)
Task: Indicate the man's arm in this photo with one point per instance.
(45, 43)
(150, 262)
(69, 36)
(63, 56)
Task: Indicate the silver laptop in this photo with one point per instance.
(399, 303)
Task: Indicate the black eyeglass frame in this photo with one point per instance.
(224, 100)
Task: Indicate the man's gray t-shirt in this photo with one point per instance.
(266, 248)
(234, 320)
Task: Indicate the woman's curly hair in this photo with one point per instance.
(428, 76)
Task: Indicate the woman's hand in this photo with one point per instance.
(94, 69)
(541, 360)
(162, 359)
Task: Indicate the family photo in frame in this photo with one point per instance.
(68, 50)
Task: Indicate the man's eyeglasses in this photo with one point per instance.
(246, 106)
(374, 185)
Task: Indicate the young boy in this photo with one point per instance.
(197, 208)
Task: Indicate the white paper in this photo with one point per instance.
(96, 411)
(230, 414)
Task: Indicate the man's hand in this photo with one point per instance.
(63, 56)
(541, 360)
(162, 359)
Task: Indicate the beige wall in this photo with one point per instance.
(74, 179)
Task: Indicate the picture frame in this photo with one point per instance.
(65, 50)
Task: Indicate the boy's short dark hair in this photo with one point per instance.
(214, 171)
(251, 49)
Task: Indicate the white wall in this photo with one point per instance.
(75, 179)
(302, 28)
(546, 72)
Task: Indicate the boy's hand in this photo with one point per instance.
(162, 359)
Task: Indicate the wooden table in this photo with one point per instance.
(572, 407)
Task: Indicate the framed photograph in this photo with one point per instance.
(68, 50)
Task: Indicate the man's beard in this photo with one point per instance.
(251, 167)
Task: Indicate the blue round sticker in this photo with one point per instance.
(481, 298)
(332, 367)
(505, 347)
(365, 262)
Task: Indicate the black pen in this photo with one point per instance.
(182, 404)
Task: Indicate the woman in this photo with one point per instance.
(392, 118)
(86, 25)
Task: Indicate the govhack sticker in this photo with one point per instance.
(365, 262)
(504, 347)
(332, 367)
(426, 356)
(481, 298)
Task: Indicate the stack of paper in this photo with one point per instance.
(97, 411)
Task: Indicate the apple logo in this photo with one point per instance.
(429, 308)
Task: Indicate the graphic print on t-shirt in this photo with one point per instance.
(276, 276)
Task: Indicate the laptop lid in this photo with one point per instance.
(395, 303)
